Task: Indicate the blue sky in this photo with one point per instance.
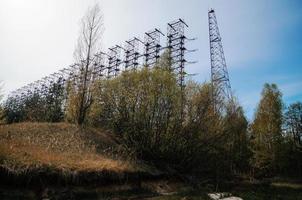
(261, 38)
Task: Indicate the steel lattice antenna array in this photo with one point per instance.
(221, 87)
(105, 65)
(176, 45)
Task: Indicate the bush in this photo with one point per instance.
(148, 111)
(142, 107)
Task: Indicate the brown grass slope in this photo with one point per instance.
(62, 150)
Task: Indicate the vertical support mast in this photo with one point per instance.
(176, 46)
(221, 87)
(113, 61)
(131, 54)
(152, 47)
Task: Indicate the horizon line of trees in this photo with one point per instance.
(158, 123)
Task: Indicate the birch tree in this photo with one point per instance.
(89, 42)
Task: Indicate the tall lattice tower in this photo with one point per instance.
(221, 87)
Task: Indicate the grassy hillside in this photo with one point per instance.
(63, 151)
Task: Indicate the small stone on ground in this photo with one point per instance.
(223, 196)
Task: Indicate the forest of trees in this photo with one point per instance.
(145, 109)
(171, 128)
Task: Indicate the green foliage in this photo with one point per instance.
(293, 123)
(36, 107)
(54, 101)
(165, 61)
(72, 104)
(33, 106)
(292, 148)
(143, 107)
(158, 122)
(13, 110)
(202, 128)
(79, 98)
(235, 125)
(266, 131)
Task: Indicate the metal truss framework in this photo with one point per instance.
(116, 59)
(176, 45)
(219, 74)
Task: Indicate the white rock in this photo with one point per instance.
(232, 198)
(214, 196)
(223, 196)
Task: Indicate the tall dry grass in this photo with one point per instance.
(58, 146)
